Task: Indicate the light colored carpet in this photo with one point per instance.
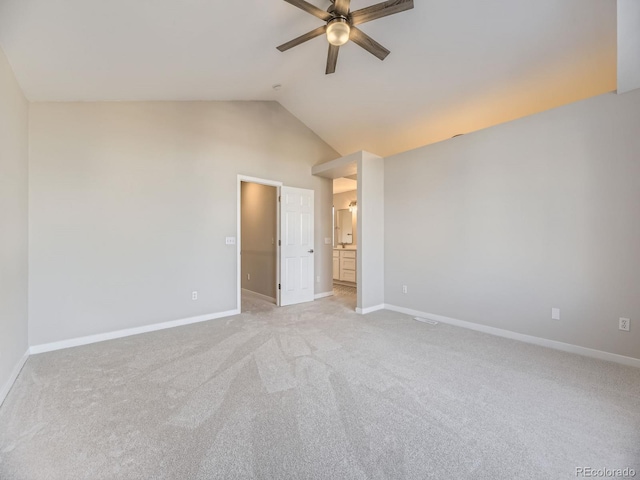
(317, 392)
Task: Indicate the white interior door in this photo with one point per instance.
(296, 253)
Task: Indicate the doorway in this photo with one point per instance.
(258, 238)
(345, 238)
(369, 169)
(243, 179)
(275, 242)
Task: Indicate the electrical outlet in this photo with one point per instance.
(624, 324)
(248, 276)
(404, 289)
(555, 314)
(194, 295)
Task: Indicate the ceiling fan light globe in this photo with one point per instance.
(338, 32)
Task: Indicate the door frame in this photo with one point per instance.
(261, 181)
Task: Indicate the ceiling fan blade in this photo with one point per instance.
(380, 10)
(302, 38)
(332, 59)
(312, 9)
(369, 44)
(342, 7)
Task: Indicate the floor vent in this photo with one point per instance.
(425, 320)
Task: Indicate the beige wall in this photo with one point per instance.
(14, 149)
(130, 204)
(499, 226)
(259, 237)
(341, 202)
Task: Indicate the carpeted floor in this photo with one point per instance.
(317, 392)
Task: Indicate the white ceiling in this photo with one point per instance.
(455, 65)
(341, 185)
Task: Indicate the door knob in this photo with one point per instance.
(311, 251)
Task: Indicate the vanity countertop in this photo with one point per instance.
(346, 248)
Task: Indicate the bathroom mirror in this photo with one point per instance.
(344, 227)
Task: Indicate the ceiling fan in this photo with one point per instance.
(341, 26)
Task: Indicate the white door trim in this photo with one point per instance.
(261, 181)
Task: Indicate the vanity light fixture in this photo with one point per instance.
(353, 206)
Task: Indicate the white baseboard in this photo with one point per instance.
(259, 295)
(6, 388)
(364, 311)
(318, 296)
(543, 342)
(102, 337)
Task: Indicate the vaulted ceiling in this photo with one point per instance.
(455, 65)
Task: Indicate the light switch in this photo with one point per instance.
(555, 314)
(231, 240)
(327, 240)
